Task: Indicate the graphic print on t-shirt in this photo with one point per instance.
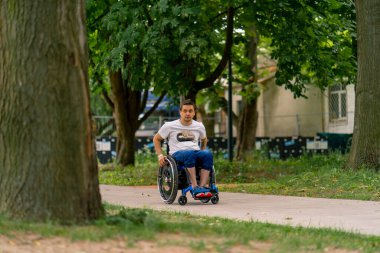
(185, 136)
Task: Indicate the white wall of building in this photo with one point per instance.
(280, 114)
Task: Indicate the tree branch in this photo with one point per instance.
(225, 12)
(144, 100)
(151, 110)
(108, 99)
(104, 126)
(209, 81)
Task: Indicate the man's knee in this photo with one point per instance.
(207, 159)
(187, 157)
(206, 154)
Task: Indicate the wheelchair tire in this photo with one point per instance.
(167, 181)
(215, 199)
(182, 200)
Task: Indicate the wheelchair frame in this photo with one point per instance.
(172, 177)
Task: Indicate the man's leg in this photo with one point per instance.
(187, 158)
(193, 177)
(205, 175)
(206, 159)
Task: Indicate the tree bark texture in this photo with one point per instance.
(128, 104)
(48, 167)
(365, 150)
(126, 112)
(246, 137)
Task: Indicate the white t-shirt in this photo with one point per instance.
(182, 137)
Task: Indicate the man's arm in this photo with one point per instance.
(157, 146)
(203, 143)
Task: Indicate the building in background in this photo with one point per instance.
(280, 114)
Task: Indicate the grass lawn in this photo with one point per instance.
(165, 231)
(138, 230)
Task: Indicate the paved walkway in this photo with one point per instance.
(348, 215)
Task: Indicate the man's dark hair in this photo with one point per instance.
(187, 102)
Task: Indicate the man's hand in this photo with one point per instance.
(203, 143)
(161, 160)
(157, 146)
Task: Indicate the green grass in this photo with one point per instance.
(195, 232)
(317, 176)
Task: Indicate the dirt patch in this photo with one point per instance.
(33, 243)
(36, 244)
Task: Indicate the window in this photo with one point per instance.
(337, 102)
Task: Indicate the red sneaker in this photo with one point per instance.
(208, 194)
(200, 195)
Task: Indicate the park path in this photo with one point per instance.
(347, 215)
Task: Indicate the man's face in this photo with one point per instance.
(187, 113)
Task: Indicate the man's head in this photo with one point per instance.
(187, 111)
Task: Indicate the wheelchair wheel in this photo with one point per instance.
(215, 199)
(182, 200)
(167, 180)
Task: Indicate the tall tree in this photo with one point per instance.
(248, 118)
(117, 30)
(48, 167)
(365, 149)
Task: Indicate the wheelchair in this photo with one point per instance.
(173, 177)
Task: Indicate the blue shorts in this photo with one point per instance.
(192, 158)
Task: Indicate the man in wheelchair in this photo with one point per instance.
(183, 137)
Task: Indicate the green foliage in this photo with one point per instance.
(211, 98)
(144, 173)
(161, 40)
(312, 41)
(167, 44)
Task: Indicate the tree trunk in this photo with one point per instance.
(208, 120)
(246, 138)
(126, 112)
(48, 168)
(365, 150)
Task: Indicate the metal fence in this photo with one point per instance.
(277, 148)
